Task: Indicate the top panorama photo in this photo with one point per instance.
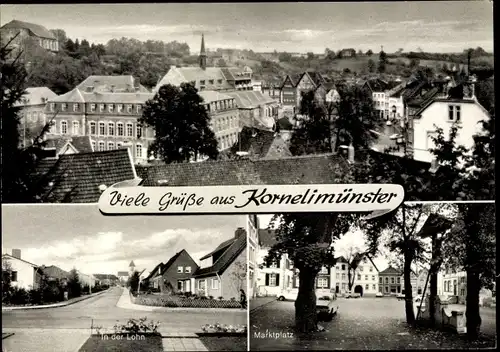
(326, 94)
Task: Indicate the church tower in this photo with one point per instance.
(203, 54)
(131, 267)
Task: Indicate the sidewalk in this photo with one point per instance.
(45, 340)
(55, 305)
(258, 302)
(125, 303)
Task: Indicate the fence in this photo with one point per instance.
(176, 302)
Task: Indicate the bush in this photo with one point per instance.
(178, 302)
(224, 328)
(210, 297)
(19, 296)
(221, 298)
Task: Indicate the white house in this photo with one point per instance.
(365, 277)
(24, 274)
(86, 279)
(252, 226)
(444, 113)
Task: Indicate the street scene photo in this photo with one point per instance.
(265, 93)
(76, 280)
(420, 277)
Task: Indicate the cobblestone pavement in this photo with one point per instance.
(364, 323)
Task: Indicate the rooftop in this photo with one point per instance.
(36, 96)
(36, 29)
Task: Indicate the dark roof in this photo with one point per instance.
(267, 238)
(390, 271)
(36, 29)
(105, 277)
(341, 259)
(131, 264)
(434, 224)
(55, 272)
(122, 273)
(82, 143)
(420, 101)
(285, 124)
(316, 77)
(172, 260)
(254, 141)
(76, 178)
(223, 245)
(378, 85)
(154, 271)
(225, 260)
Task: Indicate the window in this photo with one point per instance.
(337, 275)
(337, 267)
(202, 82)
(188, 269)
(272, 280)
(138, 108)
(179, 285)
(180, 269)
(371, 269)
(343, 276)
(138, 151)
(373, 277)
(76, 127)
(111, 107)
(392, 280)
(366, 277)
(129, 108)
(14, 276)
(120, 107)
(111, 129)
(139, 131)
(380, 280)
(93, 145)
(360, 268)
(367, 287)
(386, 289)
(399, 280)
(119, 145)
(52, 106)
(343, 286)
(343, 266)
(64, 127)
(359, 276)
(101, 107)
(75, 107)
(201, 285)
(92, 107)
(130, 130)
(386, 280)
(322, 282)
(101, 146)
(374, 287)
(111, 145)
(215, 284)
(219, 81)
(211, 81)
(102, 129)
(64, 106)
(454, 113)
(119, 129)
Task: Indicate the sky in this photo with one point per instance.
(80, 236)
(434, 26)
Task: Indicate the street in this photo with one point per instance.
(66, 328)
(363, 323)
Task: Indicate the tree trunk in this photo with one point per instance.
(410, 313)
(305, 304)
(433, 281)
(472, 305)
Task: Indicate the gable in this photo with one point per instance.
(288, 82)
(306, 82)
(278, 148)
(68, 149)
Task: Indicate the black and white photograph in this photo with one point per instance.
(269, 93)
(75, 280)
(422, 277)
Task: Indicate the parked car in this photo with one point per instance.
(379, 294)
(325, 302)
(400, 296)
(352, 295)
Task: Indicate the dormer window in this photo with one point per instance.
(129, 108)
(454, 113)
(64, 106)
(52, 106)
(92, 107)
(75, 107)
(101, 107)
(111, 107)
(120, 107)
(188, 269)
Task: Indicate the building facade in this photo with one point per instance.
(176, 274)
(390, 281)
(23, 273)
(110, 118)
(256, 109)
(252, 228)
(25, 32)
(340, 276)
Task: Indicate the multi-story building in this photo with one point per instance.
(323, 281)
(274, 278)
(365, 280)
(224, 117)
(256, 109)
(340, 276)
(208, 78)
(252, 228)
(106, 114)
(25, 32)
(33, 116)
(288, 93)
(387, 97)
(390, 281)
(272, 88)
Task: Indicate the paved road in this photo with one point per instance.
(102, 311)
(364, 323)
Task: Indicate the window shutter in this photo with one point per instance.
(267, 279)
(277, 279)
(278, 263)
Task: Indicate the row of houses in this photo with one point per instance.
(27, 275)
(221, 272)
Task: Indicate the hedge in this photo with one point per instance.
(176, 302)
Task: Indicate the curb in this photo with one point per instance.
(56, 305)
(263, 305)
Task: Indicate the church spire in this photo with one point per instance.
(203, 54)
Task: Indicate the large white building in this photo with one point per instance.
(252, 228)
(23, 273)
(366, 281)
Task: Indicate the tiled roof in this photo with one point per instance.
(316, 77)
(154, 272)
(285, 124)
(172, 261)
(250, 99)
(76, 178)
(36, 29)
(225, 260)
(79, 96)
(235, 74)
(178, 75)
(105, 276)
(420, 101)
(223, 245)
(82, 143)
(57, 143)
(309, 169)
(210, 96)
(120, 83)
(36, 96)
(390, 271)
(122, 273)
(55, 272)
(256, 142)
(267, 238)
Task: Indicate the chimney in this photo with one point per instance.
(240, 231)
(16, 253)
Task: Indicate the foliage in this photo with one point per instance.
(74, 285)
(371, 66)
(137, 326)
(239, 276)
(382, 62)
(369, 52)
(181, 123)
(133, 281)
(184, 301)
(6, 280)
(217, 327)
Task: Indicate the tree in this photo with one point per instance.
(239, 276)
(310, 56)
(382, 62)
(360, 52)
(60, 35)
(307, 240)
(181, 124)
(133, 281)
(6, 280)
(472, 247)
(353, 255)
(414, 63)
(329, 54)
(369, 52)
(74, 285)
(371, 66)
